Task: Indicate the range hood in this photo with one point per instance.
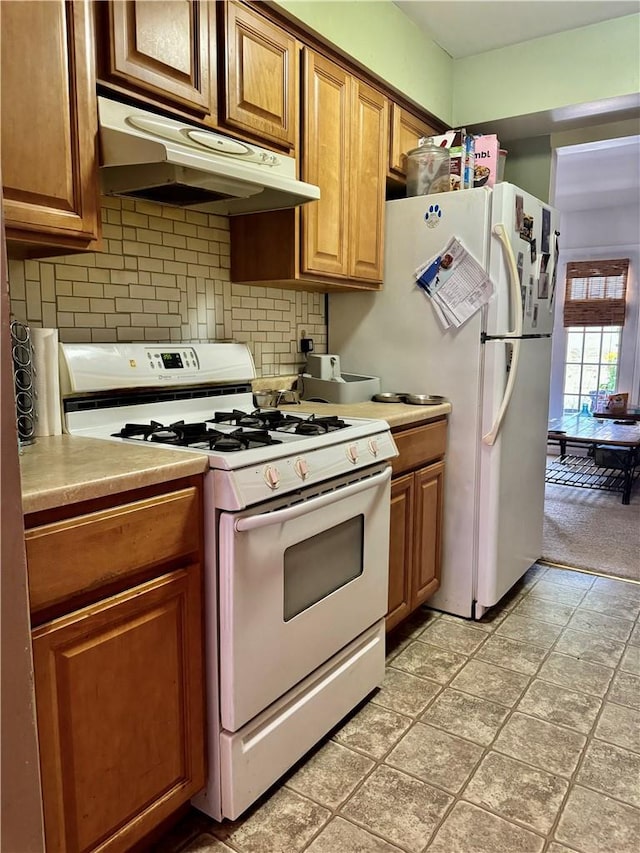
(149, 156)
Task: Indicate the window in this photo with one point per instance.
(591, 365)
(594, 313)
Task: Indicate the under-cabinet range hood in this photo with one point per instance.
(149, 156)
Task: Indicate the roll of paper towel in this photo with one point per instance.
(46, 381)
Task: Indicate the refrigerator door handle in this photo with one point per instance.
(516, 301)
(491, 436)
(516, 293)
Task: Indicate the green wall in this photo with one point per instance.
(575, 67)
(529, 165)
(380, 37)
(593, 63)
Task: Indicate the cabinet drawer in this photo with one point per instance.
(88, 551)
(419, 445)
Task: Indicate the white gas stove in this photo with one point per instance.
(197, 397)
(297, 511)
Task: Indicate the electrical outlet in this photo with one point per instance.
(301, 332)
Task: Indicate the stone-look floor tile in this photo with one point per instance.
(340, 836)
(559, 594)
(469, 829)
(592, 647)
(206, 844)
(418, 621)
(427, 661)
(634, 639)
(516, 791)
(545, 611)
(396, 643)
(615, 587)
(619, 725)
(532, 631)
(467, 716)
(612, 771)
(435, 756)
(510, 654)
(594, 823)
(405, 693)
(330, 775)
(453, 636)
(188, 830)
(599, 624)
(487, 623)
(557, 705)
(373, 730)
(568, 577)
(398, 807)
(574, 674)
(625, 690)
(542, 744)
(611, 604)
(285, 823)
(631, 660)
(491, 682)
(558, 848)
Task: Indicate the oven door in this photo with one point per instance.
(298, 581)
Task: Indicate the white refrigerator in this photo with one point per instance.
(494, 369)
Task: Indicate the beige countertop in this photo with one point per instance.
(64, 469)
(395, 414)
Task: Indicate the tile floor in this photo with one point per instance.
(516, 734)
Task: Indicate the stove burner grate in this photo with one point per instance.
(241, 440)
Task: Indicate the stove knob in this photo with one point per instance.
(373, 447)
(352, 453)
(301, 468)
(271, 477)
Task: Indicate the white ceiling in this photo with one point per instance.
(466, 27)
(599, 174)
(602, 174)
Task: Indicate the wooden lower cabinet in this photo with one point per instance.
(415, 545)
(119, 686)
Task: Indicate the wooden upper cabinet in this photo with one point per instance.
(49, 127)
(334, 243)
(406, 131)
(368, 150)
(326, 162)
(261, 76)
(165, 49)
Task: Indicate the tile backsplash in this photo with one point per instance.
(164, 276)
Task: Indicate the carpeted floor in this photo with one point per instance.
(592, 530)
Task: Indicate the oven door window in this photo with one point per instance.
(318, 566)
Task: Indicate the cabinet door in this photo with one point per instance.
(368, 151)
(326, 163)
(119, 695)
(406, 130)
(400, 550)
(49, 164)
(165, 48)
(261, 92)
(429, 483)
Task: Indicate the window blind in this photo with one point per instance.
(596, 292)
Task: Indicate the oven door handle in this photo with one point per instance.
(252, 522)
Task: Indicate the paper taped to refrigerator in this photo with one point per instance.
(456, 283)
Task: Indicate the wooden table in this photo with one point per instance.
(613, 453)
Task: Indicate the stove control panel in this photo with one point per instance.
(184, 359)
(248, 485)
(102, 367)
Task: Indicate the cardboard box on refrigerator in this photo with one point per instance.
(486, 155)
(460, 145)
